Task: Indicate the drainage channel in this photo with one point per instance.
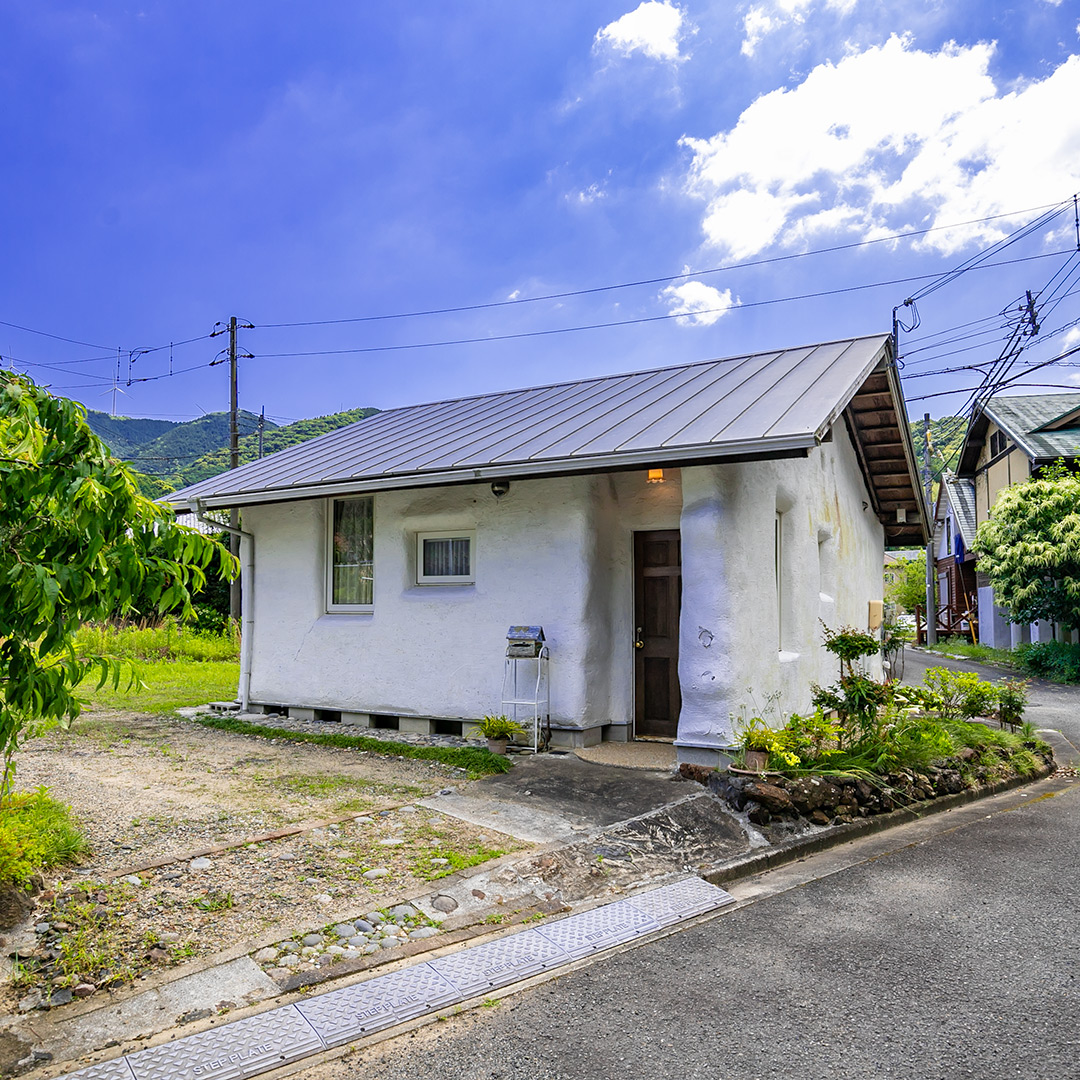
(280, 1036)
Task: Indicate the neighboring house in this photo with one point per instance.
(954, 561)
(1008, 439)
(680, 535)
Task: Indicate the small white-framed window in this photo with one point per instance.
(350, 578)
(446, 558)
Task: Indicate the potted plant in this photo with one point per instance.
(499, 730)
(756, 740)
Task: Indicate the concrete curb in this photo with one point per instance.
(767, 859)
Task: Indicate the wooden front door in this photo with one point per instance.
(657, 593)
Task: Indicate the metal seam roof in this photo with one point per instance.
(769, 401)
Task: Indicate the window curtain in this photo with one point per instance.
(353, 543)
(446, 557)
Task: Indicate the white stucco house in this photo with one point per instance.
(680, 534)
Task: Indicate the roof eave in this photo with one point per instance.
(360, 485)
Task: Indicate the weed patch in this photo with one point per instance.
(36, 833)
(442, 861)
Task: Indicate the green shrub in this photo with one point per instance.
(1051, 660)
(962, 694)
(36, 833)
(1012, 700)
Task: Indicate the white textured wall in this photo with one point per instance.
(732, 651)
(559, 552)
(556, 552)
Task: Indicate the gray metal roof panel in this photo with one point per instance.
(762, 401)
(1022, 415)
(961, 496)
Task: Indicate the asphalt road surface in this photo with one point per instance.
(944, 949)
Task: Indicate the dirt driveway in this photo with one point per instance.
(300, 836)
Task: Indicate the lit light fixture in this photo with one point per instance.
(656, 476)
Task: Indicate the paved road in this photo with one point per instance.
(943, 949)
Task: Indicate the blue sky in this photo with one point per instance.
(170, 164)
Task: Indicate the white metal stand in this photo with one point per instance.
(518, 682)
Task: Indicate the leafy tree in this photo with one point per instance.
(908, 591)
(77, 542)
(1030, 548)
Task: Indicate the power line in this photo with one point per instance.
(639, 321)
(1057, 207)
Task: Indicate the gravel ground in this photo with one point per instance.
(156, 790)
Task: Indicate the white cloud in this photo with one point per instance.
(702, 303)
(888, 136)
(653, 28)
(766, 18)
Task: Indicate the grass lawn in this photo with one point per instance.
(956, 646)
(167, 685)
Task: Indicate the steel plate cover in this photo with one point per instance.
(499, 962)
(680, 900)
(117, 1069)
(601, 928)
(381, 1002)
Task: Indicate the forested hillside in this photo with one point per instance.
(279, 438)
(166, 455)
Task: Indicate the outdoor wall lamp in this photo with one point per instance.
(655, 476)
(499, 488)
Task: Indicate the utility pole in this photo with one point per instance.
(262, 428)
(234, 462)
(928, 483)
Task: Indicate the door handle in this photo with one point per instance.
(638, 643)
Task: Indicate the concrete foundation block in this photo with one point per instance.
(470, 731)
(301, 714)
(617, 733)
(710, 757)
(575, 737)
(356, 719)
(416, 725)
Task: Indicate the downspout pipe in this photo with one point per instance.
(247, 596)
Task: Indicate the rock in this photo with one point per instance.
(84, 990)
(375, 918)
(819, 817)
(31, 1001)
(312, 940)
(278, 973)
(172, 875)
(325, 960)
(345, 930)
(440, 862)
(42, 928)
(370, 948)
(774, 799)
(201, 863)
(967, 753)
(758, 815)
(732, 789)
(403, 911)
(60, 997)
(335, 950)
(159, 956)
(390, 943)
(308, 951)
(324, 898)
(362, 926)
(290, 946)
(289, 960)
(265, 956)
(700, 773)
(424, 932)
(392, 841)
(134, 879)
(444, 903)
(377, 872)
(413, 809)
